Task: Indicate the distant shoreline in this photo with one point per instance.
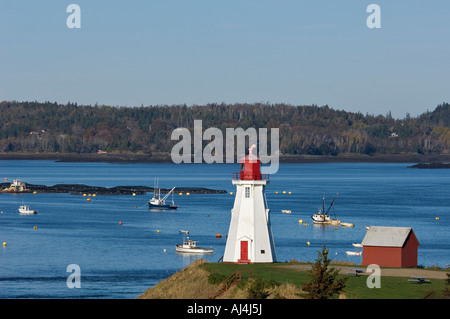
(165, 158)
(80, 189)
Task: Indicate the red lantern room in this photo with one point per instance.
(250, 166)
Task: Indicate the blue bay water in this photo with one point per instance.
(122, 261)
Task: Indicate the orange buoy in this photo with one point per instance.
(88, 199)
(218, 235)
(120, 223)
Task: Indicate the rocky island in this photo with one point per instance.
(431, 165)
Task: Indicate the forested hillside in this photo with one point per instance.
(51, 127)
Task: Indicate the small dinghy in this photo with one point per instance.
(353, 253)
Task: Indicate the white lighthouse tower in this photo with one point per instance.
(250, 237)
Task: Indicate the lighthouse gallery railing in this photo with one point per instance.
(238, 176)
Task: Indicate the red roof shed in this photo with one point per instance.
(390, 247)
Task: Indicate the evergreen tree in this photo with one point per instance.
(323, 284)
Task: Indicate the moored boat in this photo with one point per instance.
(353, 253)
(347, 224)
(160, 203)
(322, 217)
(285, 211)
(190, 246)
(25, 210)
(16, 187)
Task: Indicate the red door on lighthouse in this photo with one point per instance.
(244, 250)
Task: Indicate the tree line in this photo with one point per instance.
(304, 130)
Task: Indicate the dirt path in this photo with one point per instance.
(394, 272)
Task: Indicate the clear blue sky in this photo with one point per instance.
(199, 51)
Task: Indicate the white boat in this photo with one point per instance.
(285, 211)
(190, 246)
(25, 210)
(321, 218)
(324, 218)
(184, 231)
(160, 203)
(347, 224)
(357, 245)
(353, 253)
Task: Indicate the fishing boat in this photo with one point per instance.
(16, 187)
(25, 210)
(285, 211)
(190, 246)
(184, 231)
(322, 217)
(160, 203)
(357, 245)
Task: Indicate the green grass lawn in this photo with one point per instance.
(393, 288)
(356, 287)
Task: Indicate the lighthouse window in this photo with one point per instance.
(263, 251)
(247, 192)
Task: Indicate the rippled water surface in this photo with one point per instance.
(122, 261)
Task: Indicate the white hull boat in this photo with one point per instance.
(353, 253)
(190, 246)
(158, 202)
(347, 224)
(322, 217)
(25, 210)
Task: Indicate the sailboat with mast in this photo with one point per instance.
(160, 203)
(322, 217)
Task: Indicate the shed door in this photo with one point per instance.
(244, 250)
